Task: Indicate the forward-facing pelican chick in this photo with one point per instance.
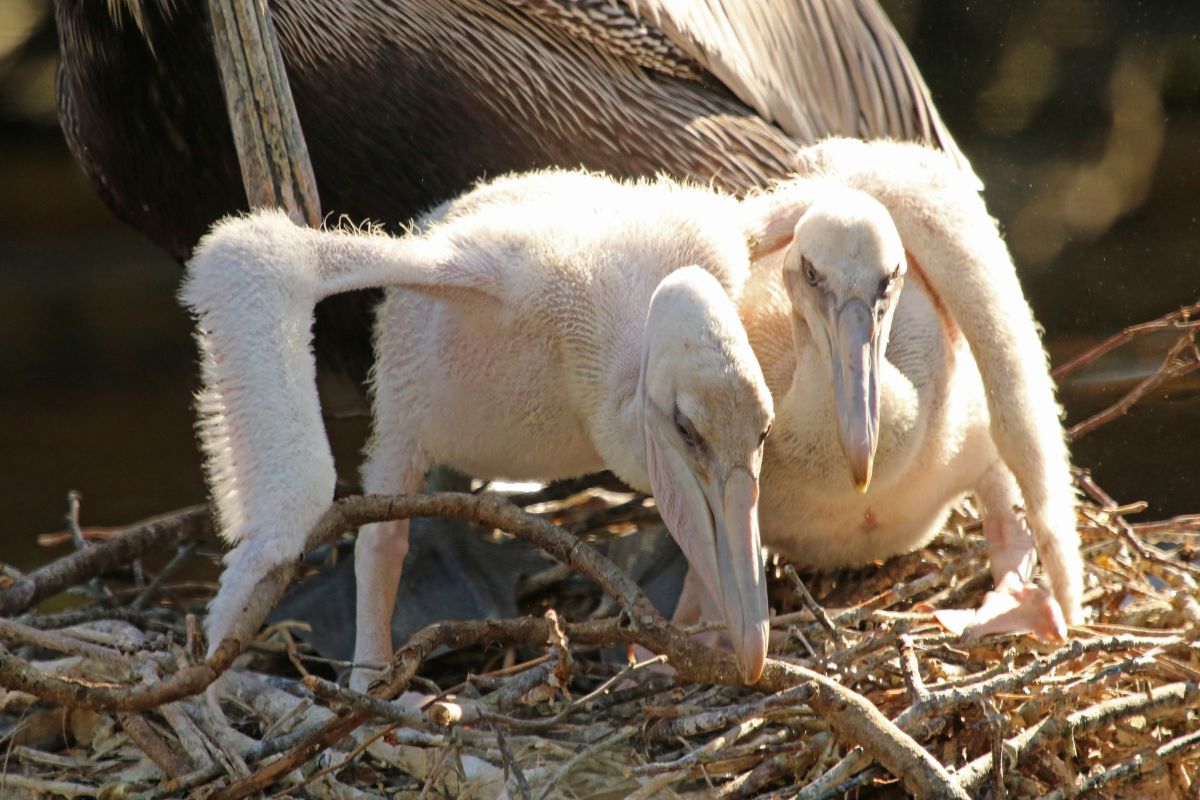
(539, 327)
(912, 397)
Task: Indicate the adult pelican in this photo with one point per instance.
(405, 103)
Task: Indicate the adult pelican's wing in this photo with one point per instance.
(406, 103)
(815, 68)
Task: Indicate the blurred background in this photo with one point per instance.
(1081, 116)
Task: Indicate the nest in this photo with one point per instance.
(865, 695)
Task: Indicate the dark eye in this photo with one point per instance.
(810, 273)
(683, 427)
(763, 436)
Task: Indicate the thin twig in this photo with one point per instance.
(46, 788)
(1179, 695)
(53, 640)
(181, 556)
(717, 743)
(1143, 550)
(511, 765)
(1188, 316)
(911, 669)
(363, 703)
(72, 521)
(1177, 746)
(16, 673)
(168, 530)
(956, 697)
(1181, 358)
(775, 767)
(590, 751)
(142, 734)
(814, 607)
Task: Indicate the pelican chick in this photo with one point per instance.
(540, 327)
(894, 404)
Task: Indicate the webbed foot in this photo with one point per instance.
(1012, 608)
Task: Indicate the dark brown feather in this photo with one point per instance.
(405, 103)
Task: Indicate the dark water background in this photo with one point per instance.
(1082, 117)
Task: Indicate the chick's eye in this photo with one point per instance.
(762, 437)
(810, 272)
(685, 430)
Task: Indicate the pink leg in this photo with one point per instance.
(692, 601)
(378, 561)
(1010, 545)
(697, 605)
(1015, 605)
(693, 607)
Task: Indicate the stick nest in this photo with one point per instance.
(864, 695)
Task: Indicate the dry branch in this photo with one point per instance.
(1181, 358)
(1186, 319)
(150, 743)
(1103, 713)
(1178, 746)
(157, 533)
(18, 674)
(912, 696)
(855, 718)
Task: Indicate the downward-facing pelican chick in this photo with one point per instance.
(539, 327)
(912, 397)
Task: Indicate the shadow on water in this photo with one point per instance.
(97, 362)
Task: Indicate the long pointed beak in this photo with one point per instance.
(715, 522)
(743, 591)
(856, 387)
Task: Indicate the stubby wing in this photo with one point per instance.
(253, 285)
(946, 227)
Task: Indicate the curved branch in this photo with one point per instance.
(852, 717)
